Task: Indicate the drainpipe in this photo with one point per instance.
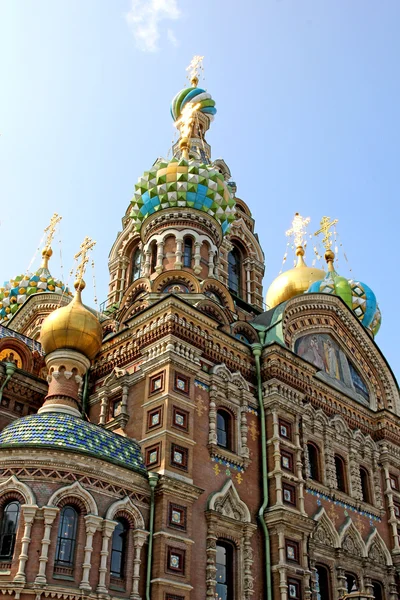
(10, 370)
(257, 350)
(153, 478)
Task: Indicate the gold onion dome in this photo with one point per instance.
(293, 282)
(73, 327)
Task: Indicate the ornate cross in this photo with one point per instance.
(299, 229)
(86, 246)
(326, 224)
(196, 65)
(51, 229)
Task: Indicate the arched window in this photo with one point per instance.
(187, 252)
(153, 263)
(118, 548)
(365, 487)
(378, 590)
(313, 457)
(224, 564)
(351, 582)
(322, 581)
(234, 267)
(8, 529)
(66, 538)
(224, 429)
(136, 264)
(341, 476)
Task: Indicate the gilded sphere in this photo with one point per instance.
(73, 327)
(293, 282)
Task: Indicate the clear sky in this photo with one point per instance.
(307, 93)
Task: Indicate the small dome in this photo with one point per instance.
(60, 431)
(72, 326)
(293, 282)
(14, 292)
(357, 295)
(183, 183)
(196, 96)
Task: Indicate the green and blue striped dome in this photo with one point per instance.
(196, 96)
(183, 183)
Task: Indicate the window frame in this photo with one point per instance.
(297, 583)
(150, 413)
(292, 489)
(124, 551)
(184, 414)
(288, 425)
(317, 463)
(153, 448)
(185, 457)
(73, 538)
(236, 287)
(182, 556)
(329, 581)
(289, 456)
(366, 489)
(186, 380)
(344, 475)
(296, 547)
(230, 570)
(228, 420)
(183, 511)
(13, 534)
(152, 379)
(136, 270)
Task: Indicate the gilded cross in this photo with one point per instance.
(326, 224)
(196, 65)
(51, 229)
(253, 430)
(86, 246)
(200, 406)
(332, 514)
(299, 229)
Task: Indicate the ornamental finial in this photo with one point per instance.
(326, 224)
(299, 229)
(86, 246)
(195, 67)
(50, 232)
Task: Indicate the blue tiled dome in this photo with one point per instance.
(65, 432)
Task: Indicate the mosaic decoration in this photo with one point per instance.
(252, 411)
(201, 385)
(185, 184)
(196, 96)
(32, 344)
(65, 432)
(344, 505)
(226, 463)
(14, 292)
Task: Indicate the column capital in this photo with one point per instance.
(50, 513)
(92, 523)
(139, 537)
(29, 512)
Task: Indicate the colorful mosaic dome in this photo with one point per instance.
(357, 295)
(14, 292)
(183, 183)
(61, 431)
(196, 96)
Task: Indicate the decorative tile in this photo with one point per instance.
(201, 385)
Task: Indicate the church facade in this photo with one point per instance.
(185, 443)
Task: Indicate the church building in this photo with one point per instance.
(188, 441)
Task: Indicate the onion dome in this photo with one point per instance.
(60, 431)
(72, 326)
(196, 96)
(183, 183)
(293, 282)
(14, 292)
(358, 296)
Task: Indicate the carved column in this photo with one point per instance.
(178, 253)
(107, 530)
(307, 466)
(29, 512)
(49, 514)
(376, 480)
(355, 478)
(103, 408)
(330, 464)
(389, 495)
(197, 258)
(248, 283)
(314, 584)
(211, 263)
(341, 581)
(212, 415)
(139, 538)
(244, 431)
(92, 523)
(277, 458)
(299, 466)
(160, 257)
(248, 582)
(147, 263)
(211, 569)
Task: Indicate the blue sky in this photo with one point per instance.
(307, 93)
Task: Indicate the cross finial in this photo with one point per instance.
(51, 229)
(86, 246)
(299, 229)
(195, 67)
(326, 224)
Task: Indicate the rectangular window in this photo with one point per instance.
(154, 418)
(156, 383)
(177, 516)
(287, 460)
(179, 457)
(294, 589)
(176, 561)
(285, 430)
(292, 551)
(180, 418)
(396, 506)
(116, 406)
(289, 494)
(394, 482)
(181, 384)
(153, 455)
